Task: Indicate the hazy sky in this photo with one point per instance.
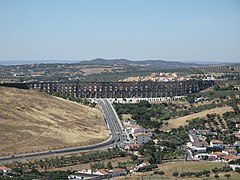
(184, 30)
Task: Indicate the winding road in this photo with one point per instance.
(118, 136)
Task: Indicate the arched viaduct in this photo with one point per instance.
(146, 89)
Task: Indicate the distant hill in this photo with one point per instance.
(151, 64)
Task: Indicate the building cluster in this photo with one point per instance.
(98, 174)
(138, 134)
(164, 77)
(215, 150)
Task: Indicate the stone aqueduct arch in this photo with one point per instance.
(145, 89)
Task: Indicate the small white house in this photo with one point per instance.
(205, 156)
(136, 129)
(117, 172)
(5, 170)
(141, 138)
(199, 149)
(200, 144)
(230, 151)
(216, 144)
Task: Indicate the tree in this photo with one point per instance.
(159, 172)
(216, 176)
(109, 165)
(237, 170)
(134, 157)
(175, 174)
(227, 176)
(216, 88)
(93, 104)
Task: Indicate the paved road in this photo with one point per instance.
(116, 130)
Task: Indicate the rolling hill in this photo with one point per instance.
(150, 64)
(34, 121)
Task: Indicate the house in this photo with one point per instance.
(141, 138)
(200, 144)
(98, 174)
(230, 151)
(205, 156)
(79, 176)
(132, 147)
(143, 164)
(219, 154)
(136, 129)
(231, 157)
(117, 172)
(5, 170)
(199, 149)
(103, 172)
(131, 169)
(216, 144)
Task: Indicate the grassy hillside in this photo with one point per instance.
(33, 121)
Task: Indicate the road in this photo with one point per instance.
(117, 137)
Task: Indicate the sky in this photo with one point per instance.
(182, 30)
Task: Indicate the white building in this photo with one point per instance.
(200, 144)
(199, 149)
(230, 151)
(216, 144)
(4, 170)
(117, 172)
(141, 138)
(210, 157)
(136, 129)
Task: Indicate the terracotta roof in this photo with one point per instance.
(230, 150)
(117, 169)
(216, 141)
(103, 171)
(202, 142)
(5, 168)
(145, 163)
(231, 156)
(218, 153)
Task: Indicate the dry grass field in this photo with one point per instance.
(98, 70)
(34, 121)
(182, 121)
(181, 166)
